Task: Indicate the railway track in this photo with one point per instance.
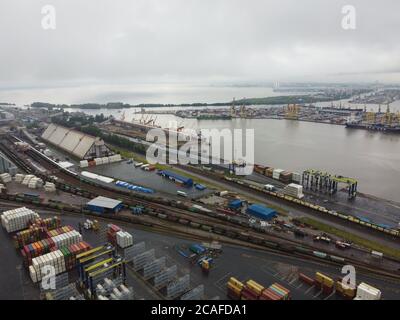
(216, 225)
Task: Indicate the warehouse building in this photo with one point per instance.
(261, 212)
(78, 144)
(104, 205)
(187, 182)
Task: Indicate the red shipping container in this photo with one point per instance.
(249, 294)
(327, 290)
(271, 295)
(233, 295)
(247, 289)
(306, 279)
(283, 289)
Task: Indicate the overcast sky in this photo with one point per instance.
(128, 42)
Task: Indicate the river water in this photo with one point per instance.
(372, 158)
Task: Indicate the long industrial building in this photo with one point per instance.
(78, 144)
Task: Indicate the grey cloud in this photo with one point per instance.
(144, 41)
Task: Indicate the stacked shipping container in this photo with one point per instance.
(17, 219)
(70, 253)
(52, 240)
(306, 279)
(345, 290)
(234, 288)
(37, 231)
(367, 292)
(112, 231)
(275, 292)
(40, 264)
(324, 283)
(124, 239)
(279, 174)
(252, 290)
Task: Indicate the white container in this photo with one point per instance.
(98, 161)
(294, 190)
(124, 239)
(377, 254)
(118, 157)
(277, 173)
(297, 177)
(17, 219)
(5, 177)
(54, 259)
(27, 178)
(105, 160)
(83, 163)
(367, 292)
(19, 177)
(67, 239)
(49, 187)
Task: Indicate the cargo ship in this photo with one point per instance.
(373, 127)
(214, 117)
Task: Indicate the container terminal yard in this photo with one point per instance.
(117, 228)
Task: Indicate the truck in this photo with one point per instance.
(269, 187)
(181, 193)
(342, 245)
(322, 237)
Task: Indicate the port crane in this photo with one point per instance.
(150, 120)
(369, 116)
(233, 109)
(292, 111)
(243, 110)
(123, 116)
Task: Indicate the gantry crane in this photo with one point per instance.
(233, 109)
(324, 182)
(292, 111)
(123, 116)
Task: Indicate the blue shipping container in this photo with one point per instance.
(200, 187)
(235, 204)
(178, 178)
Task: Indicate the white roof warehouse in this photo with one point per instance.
(76, 143)
(102, 204)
